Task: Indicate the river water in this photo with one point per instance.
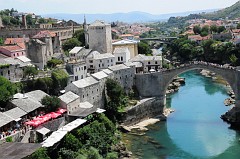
(194, 130)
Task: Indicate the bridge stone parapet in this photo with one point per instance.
(155, 84)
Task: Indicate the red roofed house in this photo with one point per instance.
(16, 41)
(198, 38)
(12, 51)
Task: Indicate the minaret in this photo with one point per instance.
(85, 27)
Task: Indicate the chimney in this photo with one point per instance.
(24, 21)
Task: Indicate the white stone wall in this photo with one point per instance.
(79, 71)
(73, 106)
(153, 64)
(13, 73)
(122, 57)
(125, 77)
(96, 65)
(131, 47)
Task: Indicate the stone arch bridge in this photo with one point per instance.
(155, 84)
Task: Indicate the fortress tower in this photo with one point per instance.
(100, 37)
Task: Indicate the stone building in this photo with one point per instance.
(96, 61)
(70, 101)
(124, 75)
(149, 62)
(76, 69)
(12, 69)
(12, 51)
(130, 44)
(122, 55)
(41, 48)
(100, 37)
(88, 90)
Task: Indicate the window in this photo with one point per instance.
(81, 76)
(118, 58)
(103, 65)
(99, 65)
(121, 58)
(85, 67)
(156, 62)
(149, 62)
(111, 60)
(108, 61)
(100, 60)
(90, 61)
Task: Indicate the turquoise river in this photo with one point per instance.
(194, 130)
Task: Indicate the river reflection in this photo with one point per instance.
(195, 129)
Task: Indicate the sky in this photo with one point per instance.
(113, 6)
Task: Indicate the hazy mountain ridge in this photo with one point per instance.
(231, 12)
(130, 17)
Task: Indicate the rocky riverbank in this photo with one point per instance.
(229, 101)
(175, 84)
(142, 126)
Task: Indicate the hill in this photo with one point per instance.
(130, 17)
(231, 12)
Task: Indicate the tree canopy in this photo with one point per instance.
(7, 90)
(79, 34)
(144, 48)
(51, 103)
(70, 44)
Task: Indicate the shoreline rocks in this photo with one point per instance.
(175, 84)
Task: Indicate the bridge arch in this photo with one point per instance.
(155, 84)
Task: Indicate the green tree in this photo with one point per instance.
(221, 29)
(7, 90)
(70, 142)
(144, 48)
(205, 28)
(79, 34)
(60, 80)
(197, 29)
(112, 155)
(1, 41)
(238, 26)
(44, 84)
(41, 153)
(51, 103)
(64, 153)
(54, 62)
(30, 71)
(233, 59)
(70, 44)
(213, 28)
(41, 20)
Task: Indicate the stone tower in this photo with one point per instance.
(85, 27)
(100, 37)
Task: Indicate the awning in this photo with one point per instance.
(43, 130)
(99, 110)
(18, 119)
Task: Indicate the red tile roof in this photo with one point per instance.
(12, 48)
(10, 41)
(43, 34)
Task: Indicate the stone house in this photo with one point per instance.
(12, 69)
(12, 51)
(88, 90)
(124, 75)
(149, 62)
(126, 43)
(96, 61)
(70, 101)
(76, 69)
(121, 54)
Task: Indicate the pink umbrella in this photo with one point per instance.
(29, 122)
(54, 115)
